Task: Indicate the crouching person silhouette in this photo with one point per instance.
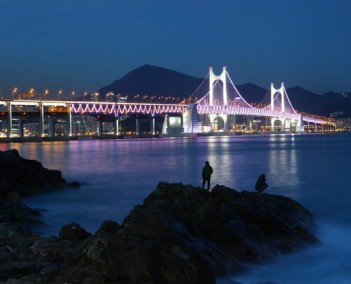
(261, 184)
(206, 175)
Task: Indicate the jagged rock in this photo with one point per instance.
(20, 215)
(73, 232)
(24, 256)
(18, 264)
(13, 196)
(27, 177)
(109, 226)
(182, 234)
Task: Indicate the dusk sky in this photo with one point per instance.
(83, 45)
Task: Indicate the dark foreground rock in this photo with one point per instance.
(27, 177)
(26, 257)
(180, 234)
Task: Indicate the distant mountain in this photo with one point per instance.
(303, 100)
(331, 102)
(338, 102)
(156, 81)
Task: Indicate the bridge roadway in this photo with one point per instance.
(122, 108)
(11, 108)
(263, 112)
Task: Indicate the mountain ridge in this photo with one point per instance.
(158, 81)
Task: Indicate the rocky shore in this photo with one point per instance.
(180, 234)
(24, 177)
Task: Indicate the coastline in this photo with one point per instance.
(148, 136)
(174, 225)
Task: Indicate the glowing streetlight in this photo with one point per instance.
(31, 92)
(46, 93)
(96, 96)
(84, 95)
(59, 94)
(72, 95)
(14, 91)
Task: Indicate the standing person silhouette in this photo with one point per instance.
(206, 175)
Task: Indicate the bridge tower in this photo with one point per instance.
(212, 79)
(280, 91)
(287, 124)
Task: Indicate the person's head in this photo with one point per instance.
(207, 163)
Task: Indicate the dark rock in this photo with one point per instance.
(109, 227)
(13, 196)
(51, 177)
(27, 177)
(25, 257)
(10, 155)
(53, 249)
(73, 232)
(18, 263)
(182, 234)
(20, 215)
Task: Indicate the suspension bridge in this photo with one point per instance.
(214, 107)
(219, 98)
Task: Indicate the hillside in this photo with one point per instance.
(156, 81)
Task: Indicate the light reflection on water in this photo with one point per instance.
(118, 174)
(125, 171)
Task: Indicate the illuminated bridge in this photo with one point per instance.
(219, 100)
(216, 106)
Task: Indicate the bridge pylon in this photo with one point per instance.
(280, 91)
(213, 78)
(287, 124)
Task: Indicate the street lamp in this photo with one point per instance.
(46, 93)
(84, 95)
(31, 92)
(14, 91)
(72, 95)
(96, 96)
(59, 94)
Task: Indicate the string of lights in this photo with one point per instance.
(125, 108)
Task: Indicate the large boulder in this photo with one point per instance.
(73, 232)
(25, 256)
(27, 177)
(182, 234)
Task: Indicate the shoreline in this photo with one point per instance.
(148, 136)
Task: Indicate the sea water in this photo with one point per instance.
(116, 175)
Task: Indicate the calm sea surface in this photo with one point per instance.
(118, 174)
